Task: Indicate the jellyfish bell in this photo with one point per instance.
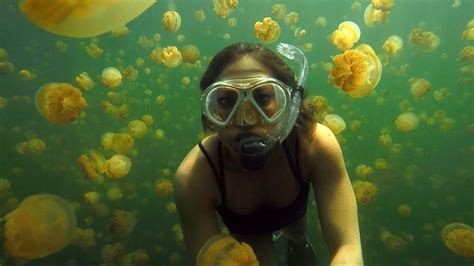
(346, 35)
(40, 226)
(407, 122)
(82, 19)
(267, 30)
(335, 123)
(393, 44)
(171, 21)
(224, 249)
(111, 77)
(459, 238)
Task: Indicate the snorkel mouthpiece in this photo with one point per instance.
(254, 151)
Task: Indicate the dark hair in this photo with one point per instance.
(279, 69)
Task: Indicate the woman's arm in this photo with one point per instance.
(194, 191)
(335, 199)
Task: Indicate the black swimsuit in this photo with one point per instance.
(266, 220)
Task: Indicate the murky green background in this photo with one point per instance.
(433, 172)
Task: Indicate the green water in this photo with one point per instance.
(433, 172)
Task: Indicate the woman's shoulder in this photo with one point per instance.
(195, 176)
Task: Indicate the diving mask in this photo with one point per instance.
(245, 101)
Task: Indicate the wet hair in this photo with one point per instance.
(278, 68)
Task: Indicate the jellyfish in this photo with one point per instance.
(299, 33)
(171, 21)
(335, 123)
(171, 56)
(419, 87)
(160, 100)
(163, 187)
(140, 62)
(122, 142)
(393, 44)
(114, 194)
(93, 165)
(364, 171)
(267, 30)
(6, 68)
(373, 15)
(83, 238)
(427, 41)
(26, 74)
(232, 22)
(130, 73)
(441, 94)
(364, 191)
(4, 187)
(94, 51)
(121, 31)
(223, 250)
(291, 19)
(122, 223)
(357, 71)
(148, 120)
(190, 54)
(380, 163)
(321, 22)
(279, 11)
(459, 238)
(3, 55)
(199, 15)
(92, 197)
(117, 166)
(155, 55)
(84, 81)
(404, 210)
(41, 225)
(59, 102)
(407, 122)
(111, 77)
(136, 258)
(468, 34)
(159, 134)
(34, 146)
(222, 8)
(82, 19)
(393, 243)
(346, 35)
(467, 54)
(385, 5)
(137, 129)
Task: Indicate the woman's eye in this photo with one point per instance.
(263, 99)
(225, 101)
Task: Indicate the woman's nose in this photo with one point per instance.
(246, 115)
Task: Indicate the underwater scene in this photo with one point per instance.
(100, 103)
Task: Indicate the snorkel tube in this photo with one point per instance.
(254, 151)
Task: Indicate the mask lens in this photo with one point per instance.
(270, 98)
(221, 101)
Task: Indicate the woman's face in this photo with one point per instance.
(231, 135)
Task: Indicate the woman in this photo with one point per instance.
(256, 169)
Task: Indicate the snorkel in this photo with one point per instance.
(253, 150)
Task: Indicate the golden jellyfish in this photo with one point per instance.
(232, 22)
(84, 81)
(33, 146)
(92, 197)
(456, 4)
(107, 141)
(171, 21)
(223, 250)
(291, 19)
(3, 55)
(346, 35)
(222, 8)
(467, 54)
(148, 120)
(114, 194)
(468, 34)
(4, 187)
(59, 102)
(140, 62)
(427, 41)
(40, 226)
(171, 56)
(159, 134)
(130, 73)
(364, 171)
(357, 71)
(120, 32)
(321, 22)
(94, 51)
(118, 166)
(136, 258)
(226, 36)
(111, 77)
(26, 74)
(93, 165)
(171, 207)
(404, 210)
(364, 191)
(160, 100)
(6, 68)
(441, 94)
(385, 5)
(380, 163)
(393, 243)
(163, 187)
(185, 81)
(3, 102)
(407, 122)
(373, 15)
(199, 15)
(419, 87)
(82, 19)
(267, 30)
(459, 238)
(137, 129)
(299, 33)
(393, 44)
(279, 10)
(122, 223)
(83, 238)
(335, 123)
(190, 54)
